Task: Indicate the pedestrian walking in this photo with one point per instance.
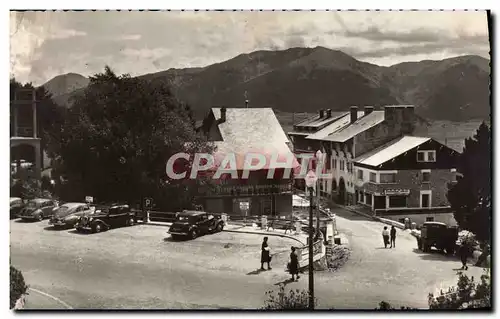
(265, 256)
(463, 252)
(393, 236)
(385, 236)
(293, 265)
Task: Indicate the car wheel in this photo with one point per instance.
(174, 237)
(97, 228)
(78, 229)
(130, 222)
(219, 228)
(194, 234)
(39, 217)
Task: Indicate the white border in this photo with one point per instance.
(192, 4)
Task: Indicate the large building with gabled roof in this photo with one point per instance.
(240, 131)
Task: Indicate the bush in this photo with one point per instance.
(17, 286)
(384, 305)
(467, 294)
(293, 299)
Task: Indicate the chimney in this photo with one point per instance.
(328, 113)
(354, 113)
(368, 109)
(222, 115)
(321, 113)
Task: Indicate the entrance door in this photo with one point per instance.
(267, 207)
(425, 200)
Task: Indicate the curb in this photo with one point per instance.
(266, 234)
(235, 231)
(379, 219)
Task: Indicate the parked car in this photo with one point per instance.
(438, 235)
(106, 218)
(38, 209)
(16, 204)
(67, 215)
(192, 224)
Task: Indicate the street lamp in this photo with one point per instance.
(311, 180)
(319, 163)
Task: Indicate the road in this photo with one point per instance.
(141, 268)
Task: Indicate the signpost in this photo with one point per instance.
(148, 205)
(89, 199)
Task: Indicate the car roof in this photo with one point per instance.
(192, 213)
(435, 223)
(72, 205)
(40, 200)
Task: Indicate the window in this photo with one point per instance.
(342, 167)
(362, 197)
(373, 177)
(360, 174)
(429, 219)
(397, 201)
(368, 199)
(431, 156)
(426, 177)
(426, 156)
(387, 178)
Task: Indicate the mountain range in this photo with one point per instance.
(309, 79)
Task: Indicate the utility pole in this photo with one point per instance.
(311, 180)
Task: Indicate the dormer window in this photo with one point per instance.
(426, 156)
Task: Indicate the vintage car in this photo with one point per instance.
(106, 217)
(16, 204)
(38, 209)
(67, 215)
(438, 235)
(192, 224)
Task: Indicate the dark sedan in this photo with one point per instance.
(195, 223)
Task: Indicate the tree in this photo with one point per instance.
(118, 136)
(470, 197)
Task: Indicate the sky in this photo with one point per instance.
(46, 44)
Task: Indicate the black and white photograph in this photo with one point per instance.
(263, 160)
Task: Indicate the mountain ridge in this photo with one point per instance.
(308, 79)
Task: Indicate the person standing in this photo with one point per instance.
(393, 236)
(293, 266)
(385, 236)
(265, 256)
(463, 252)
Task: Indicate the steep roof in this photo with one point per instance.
(390, 150)
(331, 128)
(361, 125)
(255, 130)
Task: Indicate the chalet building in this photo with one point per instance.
(241, 131)
(343, 136)
(407, 178)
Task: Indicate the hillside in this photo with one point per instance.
(308, 79)
(66, 84)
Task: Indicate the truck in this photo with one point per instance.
(438, 235)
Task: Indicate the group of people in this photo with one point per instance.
(389, 237)
(265, 258)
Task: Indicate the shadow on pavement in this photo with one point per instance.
(171, 240)
(284, 282)
(26, 221)
(74, 231)
(256, 272)
(52, 228)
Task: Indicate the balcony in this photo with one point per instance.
(245, 190)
